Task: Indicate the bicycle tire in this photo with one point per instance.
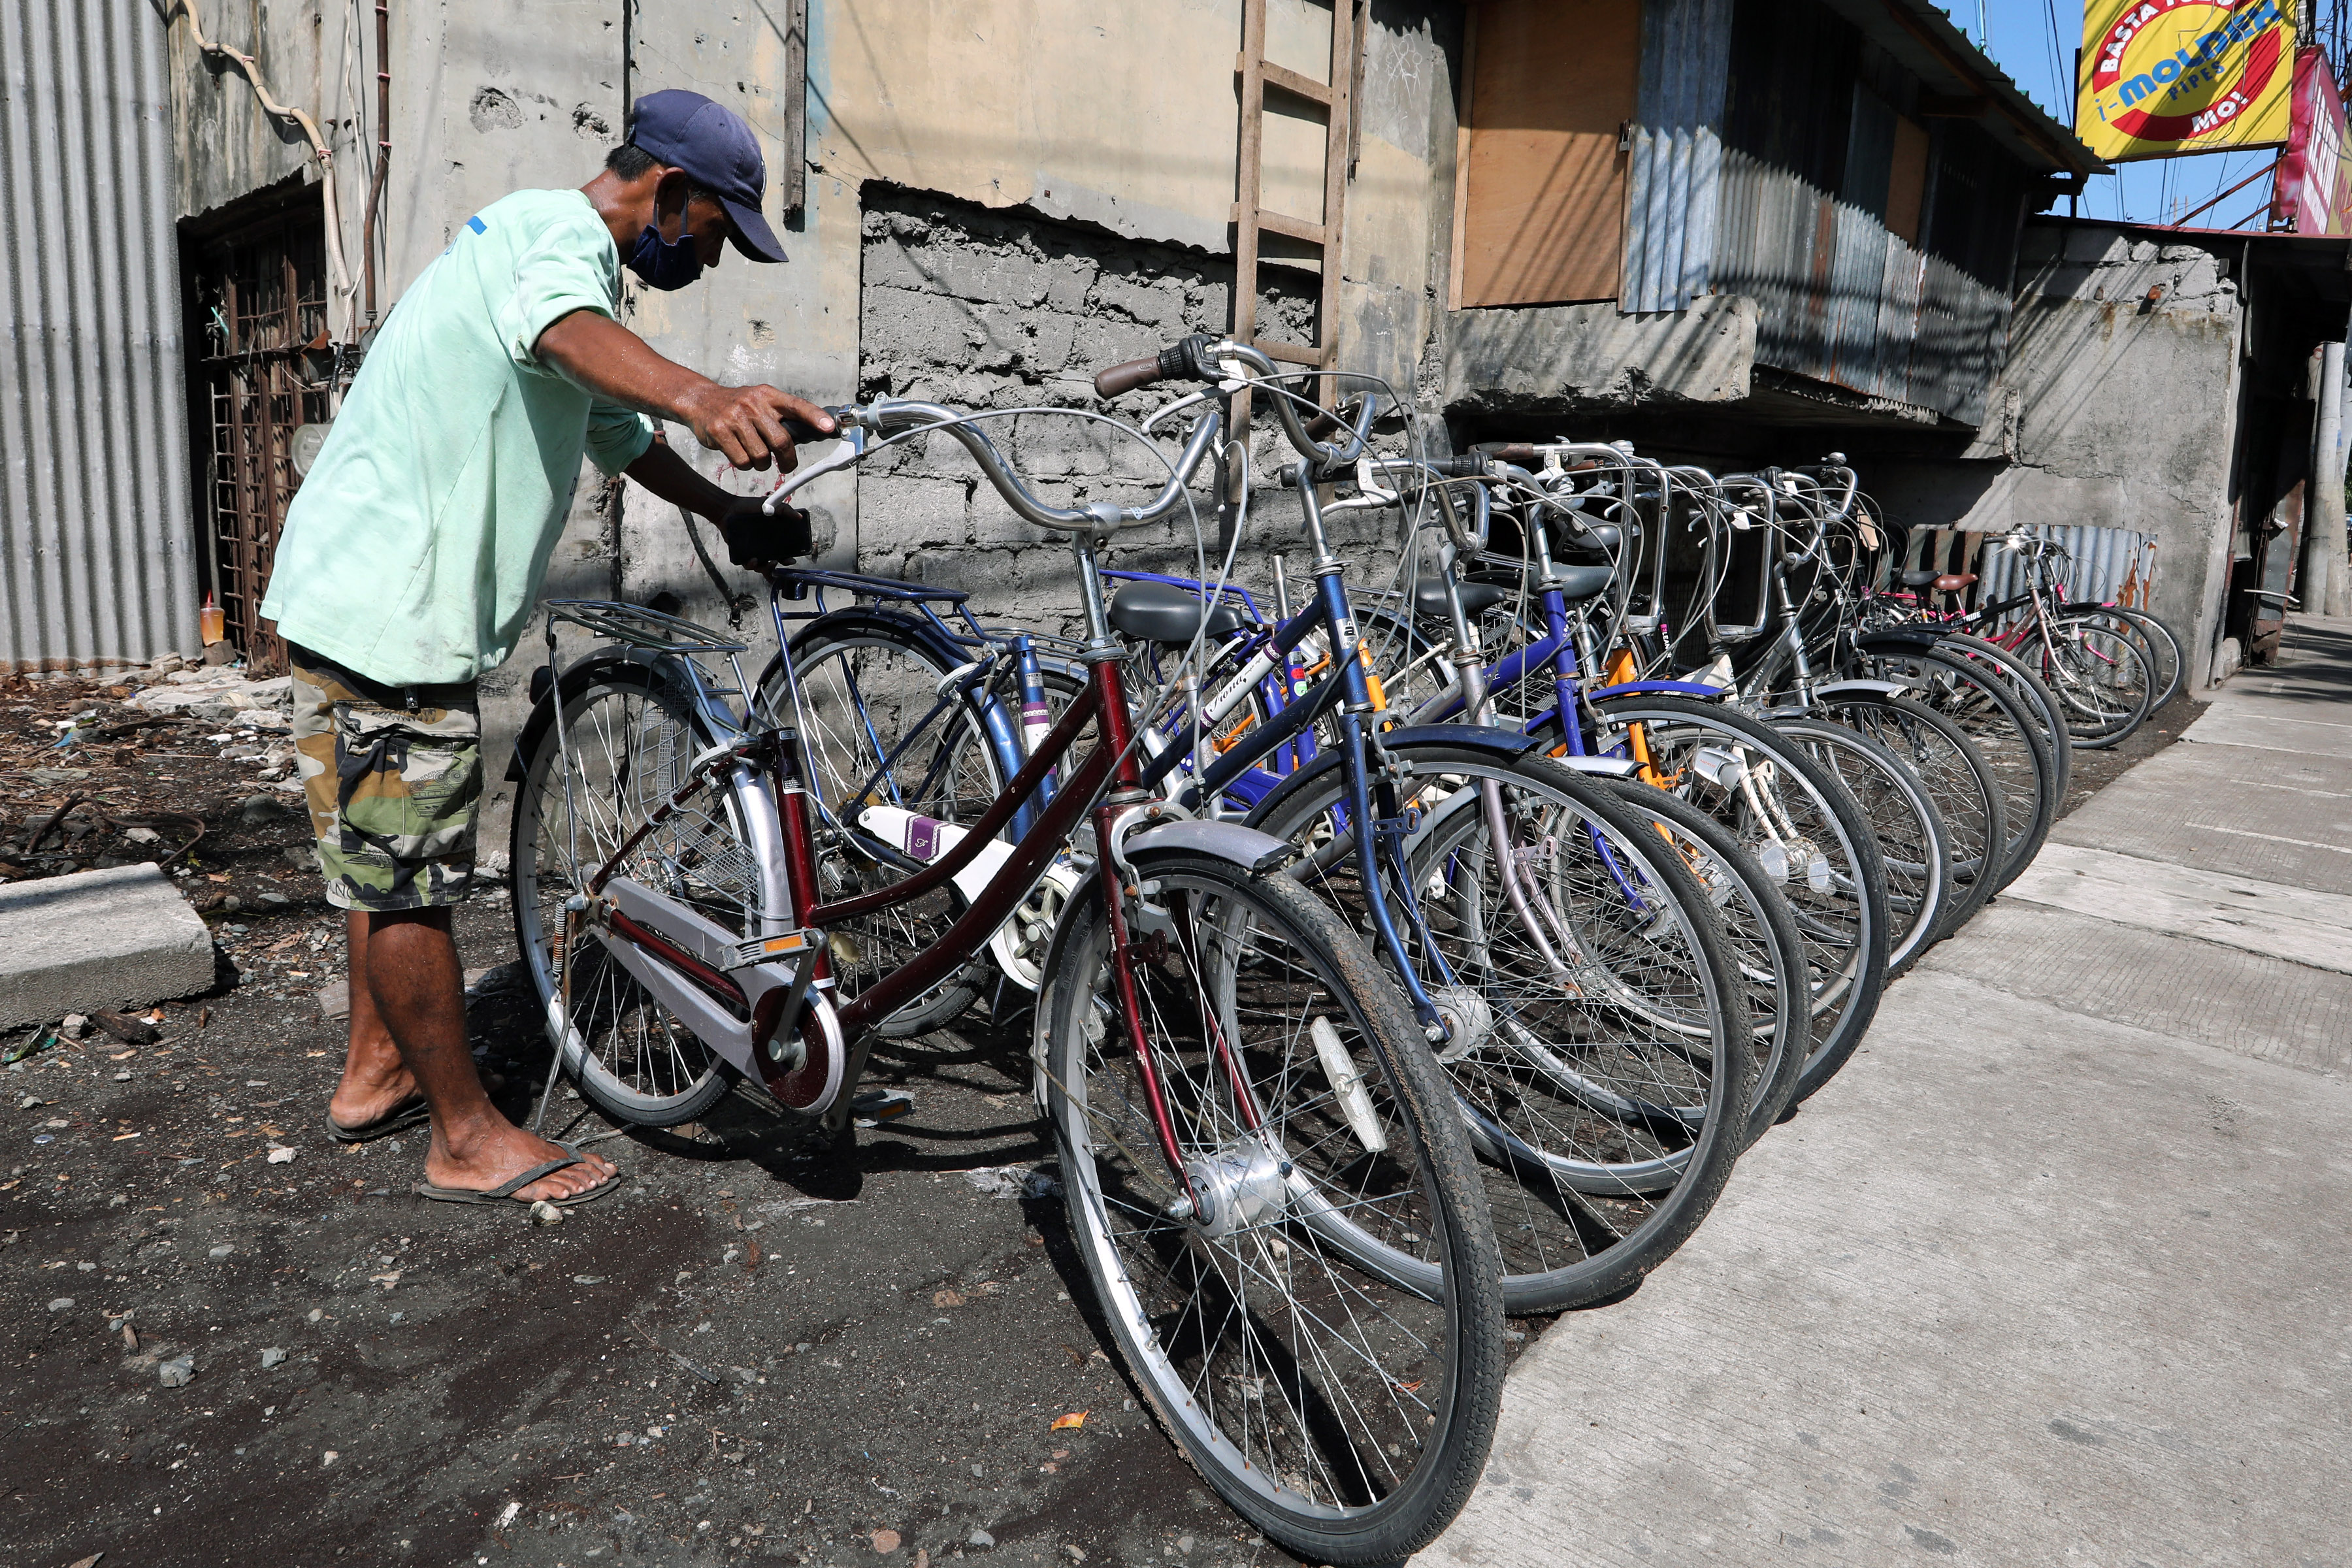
(1601, 1146)
(1850, 949)
(1993, 714)
(1219, 1366)
(629, 1056)
(2043, 707)
(1956, 772)
(2111, 677)
(866, 676)
(1762, 939)
(2171, 667)
(1913, 843)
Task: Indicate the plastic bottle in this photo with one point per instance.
(213, 622)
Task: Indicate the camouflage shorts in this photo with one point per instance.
(392, 790)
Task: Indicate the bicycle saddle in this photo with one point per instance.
(1477, 598)
(1605, 537)
(1942, 582)
(1582, 582)
(1164, 613)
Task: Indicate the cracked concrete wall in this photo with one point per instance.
(1001, 310)
(2117, 409)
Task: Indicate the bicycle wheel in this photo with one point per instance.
(1994, 716)
(2100, 668)
(1967, 791)
(2163, 647)
(1343, 1413)
(1759, 936)
(1912, 842)
(2039, 703)
(876, 734)
(1801, 827)
(1598, 1041)
(633, 739)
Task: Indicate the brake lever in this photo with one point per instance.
(851, 450)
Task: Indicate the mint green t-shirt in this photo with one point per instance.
(416, 548)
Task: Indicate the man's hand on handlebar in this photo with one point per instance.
(754, 426)
(757, 540)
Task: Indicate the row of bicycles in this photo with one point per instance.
(1399, 955)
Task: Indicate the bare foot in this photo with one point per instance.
(375, 1083)
(494, 1152)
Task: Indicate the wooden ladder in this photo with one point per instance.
(1251, 219)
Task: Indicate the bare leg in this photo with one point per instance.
(375, 1080)
(419, 993)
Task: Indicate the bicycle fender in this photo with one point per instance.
(1481, 736)
(1041, 1016)
(1899, 636)
(1255, 852)
(1873, 688)
(541, 718)
(1662, 689)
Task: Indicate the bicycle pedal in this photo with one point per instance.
(876, 1106)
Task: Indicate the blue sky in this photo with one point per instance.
(2035, 40)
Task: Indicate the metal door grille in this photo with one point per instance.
(267, 369)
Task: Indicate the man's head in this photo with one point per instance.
(689, 177)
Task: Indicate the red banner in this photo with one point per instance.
(2313, 193)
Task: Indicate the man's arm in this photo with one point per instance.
(598, 356)
(750, 534)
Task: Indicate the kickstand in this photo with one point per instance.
(547, 1092)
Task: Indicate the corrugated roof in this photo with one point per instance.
(1923, 38)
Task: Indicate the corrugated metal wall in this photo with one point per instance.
(2109, 564)
(1844, 301)
(97, 537)
(1674, 171)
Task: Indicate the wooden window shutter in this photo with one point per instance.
(1541, 187)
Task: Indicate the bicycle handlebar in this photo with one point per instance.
(1201, 357)
(889, 417)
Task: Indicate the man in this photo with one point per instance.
(415, 550)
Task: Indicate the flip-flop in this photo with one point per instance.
(407, 1113)
(504, 1193)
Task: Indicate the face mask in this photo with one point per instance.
(663, 264)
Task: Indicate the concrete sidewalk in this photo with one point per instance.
(2054, 1270)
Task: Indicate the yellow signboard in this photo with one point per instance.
(2166, 77)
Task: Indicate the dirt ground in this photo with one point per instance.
(761, 1349)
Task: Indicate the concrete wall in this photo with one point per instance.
(2115, 410)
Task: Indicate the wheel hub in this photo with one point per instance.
(1238, 1186)
(1467, 1017)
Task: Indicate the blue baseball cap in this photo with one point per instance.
(718, 152)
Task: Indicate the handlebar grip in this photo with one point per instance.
(807, 434)
(1124, 378)
(1186, 359)
(1468, 466)
(1519, 452)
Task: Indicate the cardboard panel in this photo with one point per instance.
(1543, 185)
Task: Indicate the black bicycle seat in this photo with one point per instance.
(1605, 537)
(1582, 582)
(1918, 579)
(1164, 613)
(1477, 598)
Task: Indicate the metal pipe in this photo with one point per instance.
(382, 148)
(2323, 584)
(319, 148)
